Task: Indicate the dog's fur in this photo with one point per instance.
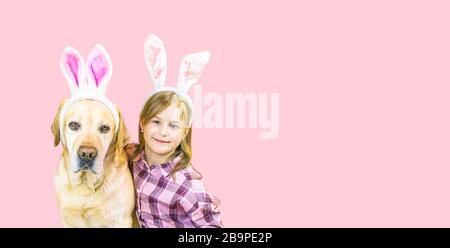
(102, 196)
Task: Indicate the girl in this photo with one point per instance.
(169, 191)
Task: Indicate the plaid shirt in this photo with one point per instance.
(162, 201)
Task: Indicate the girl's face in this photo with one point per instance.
(164, 132)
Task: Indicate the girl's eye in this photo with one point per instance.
(104, 129)
(173, 126)
(74, 126)
(156, 121)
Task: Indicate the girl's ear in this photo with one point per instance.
(155, 59)
(191, 68)
(99, 69)
(72, 66)
(141, 126)
(186, 132)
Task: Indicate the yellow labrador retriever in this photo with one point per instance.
(93, 184)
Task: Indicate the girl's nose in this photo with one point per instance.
(163, 130)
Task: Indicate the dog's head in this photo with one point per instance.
(88, 125)
(90, 139)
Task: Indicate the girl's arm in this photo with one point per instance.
(202, 207)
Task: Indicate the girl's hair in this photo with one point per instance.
(156, 104)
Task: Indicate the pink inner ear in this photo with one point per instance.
(192, 70)
(157, 73)
(99, 68)
(188, 71)
(152, 60)
(73, 62)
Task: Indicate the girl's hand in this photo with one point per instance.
(131, 149)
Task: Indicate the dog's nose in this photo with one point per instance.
(87, 153)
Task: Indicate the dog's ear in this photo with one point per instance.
(116, 149)
(122, 138)
(55, 124)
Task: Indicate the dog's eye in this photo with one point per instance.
(74, 125)
(104, 129)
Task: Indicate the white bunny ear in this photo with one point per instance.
(99, 69)
(72, 66)
(156, 59)
(191, 68)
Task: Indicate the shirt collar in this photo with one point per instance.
(165, 168)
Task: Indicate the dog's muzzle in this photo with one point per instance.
(86, 157)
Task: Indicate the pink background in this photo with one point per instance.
(364, 104)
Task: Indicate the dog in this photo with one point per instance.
(93, 184)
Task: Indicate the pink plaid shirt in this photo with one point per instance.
(162, 201)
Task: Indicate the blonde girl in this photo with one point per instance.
(169, 191)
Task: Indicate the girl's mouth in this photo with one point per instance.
(161, 141)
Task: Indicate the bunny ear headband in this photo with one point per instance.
(191, 68)
(87, 81)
